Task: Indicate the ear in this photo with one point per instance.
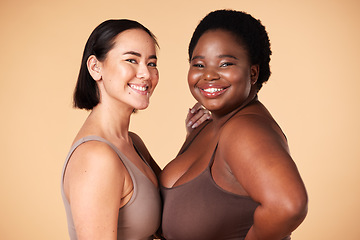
(254, 73)
(94, 69)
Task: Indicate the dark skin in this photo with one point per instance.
(252, 157)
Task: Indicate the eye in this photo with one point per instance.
(198, 65)
(226, 64)
(152, 64)
(131, 60)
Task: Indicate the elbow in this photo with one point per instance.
(295, 208)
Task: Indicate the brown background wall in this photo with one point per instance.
(313, 93)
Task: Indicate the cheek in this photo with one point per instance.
(120, 74)
(193, 77)
(237, 77)
(154, 77)
(154, 82)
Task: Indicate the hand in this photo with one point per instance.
(195, 117)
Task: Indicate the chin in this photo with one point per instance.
(142, 107)
(212, 106)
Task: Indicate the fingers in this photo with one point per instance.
(188, 116)
(197, 116)
(196, 108)
(191, 113)
(201, 116)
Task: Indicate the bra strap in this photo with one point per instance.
(213, 156)
(184, 148)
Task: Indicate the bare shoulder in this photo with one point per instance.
(252, 144)
(95, 152)
(95, 158)
(252, 131)
(95, 183)
(257, 155)
(94, 168)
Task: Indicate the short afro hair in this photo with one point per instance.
(251, 33)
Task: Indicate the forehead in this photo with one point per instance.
(219, 38)
(135, 40)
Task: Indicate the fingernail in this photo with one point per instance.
(189, 123)
(194, 126)
(192, 110)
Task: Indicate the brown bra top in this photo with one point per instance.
(201, 210)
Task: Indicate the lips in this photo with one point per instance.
(141, 89)
(212, 92)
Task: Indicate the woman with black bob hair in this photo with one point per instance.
(109, 182)
(100, 42)
(234, 177)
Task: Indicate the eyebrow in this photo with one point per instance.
(227, 56)
(197, 57)
(139, 54)
(219, 56)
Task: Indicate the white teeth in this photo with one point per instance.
(212, 90)
(138, 87)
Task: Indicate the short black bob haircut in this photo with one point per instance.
(101, 41)
(250, 32)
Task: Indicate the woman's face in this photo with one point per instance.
(129, 72)
(220, 72)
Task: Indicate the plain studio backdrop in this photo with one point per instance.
(313, 93)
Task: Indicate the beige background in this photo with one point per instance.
(313, 93)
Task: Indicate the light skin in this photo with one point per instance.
(252, 157)
(126, 79)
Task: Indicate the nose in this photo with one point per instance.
(211, 74)
(143, 72)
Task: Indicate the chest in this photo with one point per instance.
(145, 204)
(201, 154)
(193, 159)
(139, 162)
(207, 212)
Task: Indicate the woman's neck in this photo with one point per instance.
(111, 122)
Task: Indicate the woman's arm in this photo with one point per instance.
(94, 184)
(258, 157)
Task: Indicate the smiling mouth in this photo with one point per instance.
(139, 89)
(212, 92)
